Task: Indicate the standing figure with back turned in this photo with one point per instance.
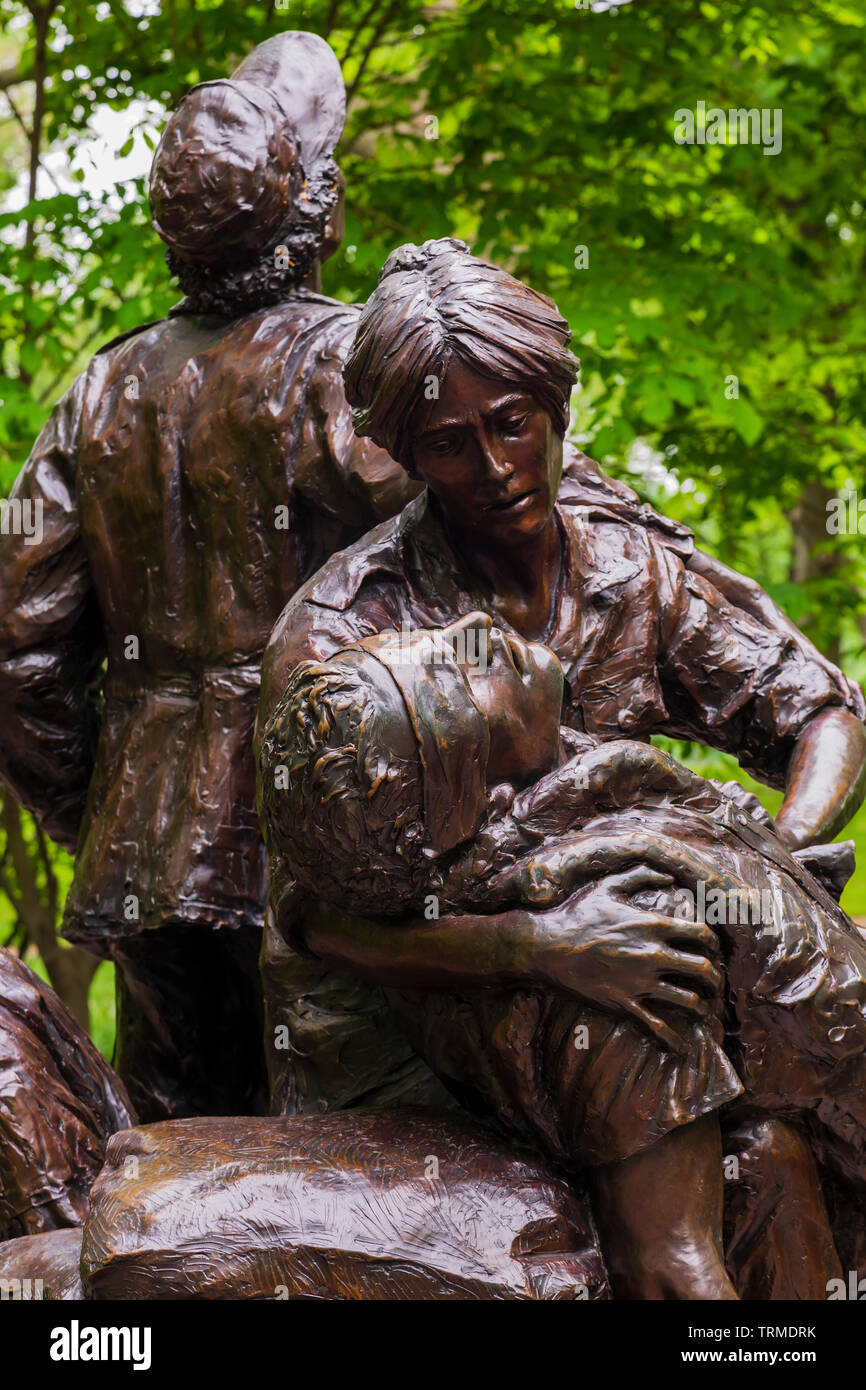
(192, 477)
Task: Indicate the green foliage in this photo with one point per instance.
(555, 130)
(46, 862)
(533, 130)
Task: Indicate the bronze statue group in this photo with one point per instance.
(377, 894)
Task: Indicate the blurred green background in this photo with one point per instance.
(714, 290)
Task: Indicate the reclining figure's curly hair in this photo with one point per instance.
(342, 808)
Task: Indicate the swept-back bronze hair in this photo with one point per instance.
(438, 301)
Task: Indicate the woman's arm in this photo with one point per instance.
(826, 780)
(739, 676)
(747, 594)
(596, 946)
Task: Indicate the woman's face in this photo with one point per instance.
(488, 451)
(518, 685)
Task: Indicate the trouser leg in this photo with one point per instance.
(778, 1240)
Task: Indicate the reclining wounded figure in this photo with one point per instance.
(236, 1208)
(390, 778)
(59, 1103)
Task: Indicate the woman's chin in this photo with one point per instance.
(518, 529)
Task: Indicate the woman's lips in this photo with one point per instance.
(512, 504)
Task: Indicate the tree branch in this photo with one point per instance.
(331, 18)
(15, 901)
(368, 51)
(27, 134)
(41, 18)
(358, 29)
(48, 870)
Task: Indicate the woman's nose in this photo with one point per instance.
(496, 462)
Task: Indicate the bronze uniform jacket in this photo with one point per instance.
(190, 479)
(653, 636)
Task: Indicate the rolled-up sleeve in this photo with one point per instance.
(735, 682)
(51, 642)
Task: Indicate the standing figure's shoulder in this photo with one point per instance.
(329, 612)
(321, 324)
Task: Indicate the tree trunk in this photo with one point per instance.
(809, 523)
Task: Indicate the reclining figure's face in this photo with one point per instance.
(518, 686)
(490, 454)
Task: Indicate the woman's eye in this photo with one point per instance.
(514, 423)
(444, 446)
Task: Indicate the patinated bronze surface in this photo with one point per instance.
(59, 1103)
(646, 643)
(360, 1205)
(478, 859)
(192, 476)
(315, 1198)
(385, 585)
(779, 1242)
(42, 1267)
(424, 724)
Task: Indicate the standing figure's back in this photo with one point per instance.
(195, 473)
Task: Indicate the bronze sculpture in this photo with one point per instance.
(192, 476)
(646, 644)
(367, 1205)
(60, 1102)
(356, 1205)
(626, 581)
(43, 1267)
(406, 759)
(519, 848)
